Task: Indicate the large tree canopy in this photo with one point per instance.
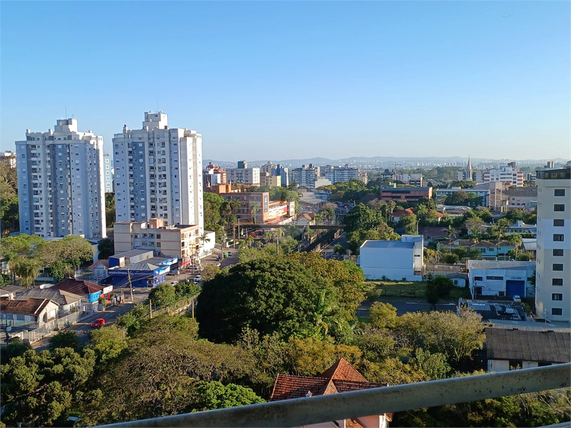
(269, 295)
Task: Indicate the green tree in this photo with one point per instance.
(159, 372)
(455, 336)
(14, 348)
(338, 249)
(38, 388)
(106, 248)
(110, 209)
(383, 315)
(409, 224)
(163, 295)
(254, 209)
(269, 295)
(475, 225)
(108, 342)
(9, 214)
(214, 395)
(209, 272)
(60, 270)
(64, 339)
(515, 241)
(187, 288)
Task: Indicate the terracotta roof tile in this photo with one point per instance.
(31, 306)
(341, 377)
(287, 387)
(80, 288)
(342, 370)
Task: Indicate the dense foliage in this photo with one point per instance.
(278, 295)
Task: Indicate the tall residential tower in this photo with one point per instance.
(158, 173)
(553, 270)
(60, 182)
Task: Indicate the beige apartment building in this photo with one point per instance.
(182, 241)
(270, 180)
(553, 270)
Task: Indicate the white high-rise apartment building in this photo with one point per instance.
(60, 182)
(158, 173)
(505, 174)
(553, 259)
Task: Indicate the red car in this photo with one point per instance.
(99, 322)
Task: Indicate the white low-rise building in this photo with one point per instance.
(394, 260)
(500, 278)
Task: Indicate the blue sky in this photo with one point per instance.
(279, 80)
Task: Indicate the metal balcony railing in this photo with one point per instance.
(355, 404)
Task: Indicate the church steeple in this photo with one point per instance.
(469, 164)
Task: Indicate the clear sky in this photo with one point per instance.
(282, 80)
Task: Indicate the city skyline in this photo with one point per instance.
(289, 80)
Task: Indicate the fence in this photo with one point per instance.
(33, 332)
(375, 401)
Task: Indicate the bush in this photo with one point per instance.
(163, 295)
(64, 339)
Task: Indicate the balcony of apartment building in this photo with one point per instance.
(336, 409)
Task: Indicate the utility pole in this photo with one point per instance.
(150, 309)
(130, 285)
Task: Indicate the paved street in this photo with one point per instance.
(327, 250)
(83, 327)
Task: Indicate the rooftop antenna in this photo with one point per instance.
(158, 110)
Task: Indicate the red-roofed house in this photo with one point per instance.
(23, 312)
(340, 377)
(396, 216)
(100, 268)
(87, 290)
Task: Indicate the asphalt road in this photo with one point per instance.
(327, 251)
(83, 327)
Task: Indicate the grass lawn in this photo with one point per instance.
(377, 289)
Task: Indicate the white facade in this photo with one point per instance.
(108, 173)
(340, 174)
(60, 182)
(500, 278)
(305, 176)
(249, 176)
(158, 173)
(395, 260)
(553, 278)
(505, 174)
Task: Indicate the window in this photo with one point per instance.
(558, 237)
(557, 267)
(556, 311)
(558, 222)
(556, 296)
(557, 281)
(559, 207)
(559, 192)
(557, 253)
(494, 278)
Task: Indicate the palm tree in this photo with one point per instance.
(515, 241)
(254, 209)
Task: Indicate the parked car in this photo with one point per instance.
(174, 283)
(99, 322)
(197, 278)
